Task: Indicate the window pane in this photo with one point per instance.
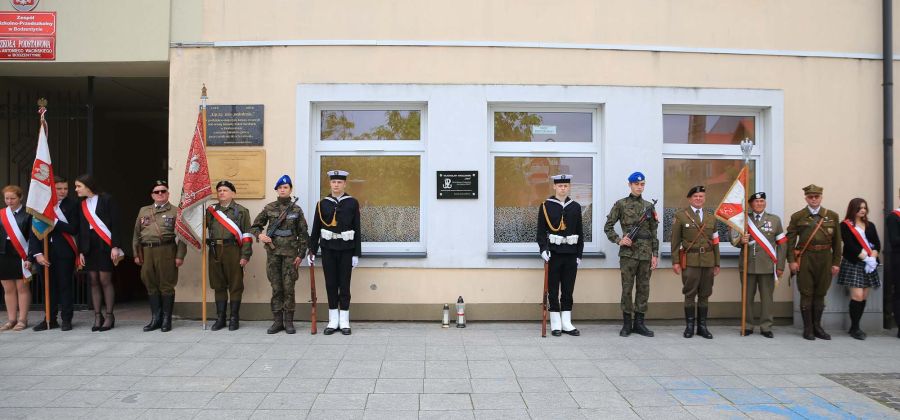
(371, 125)
(716, 174)
(708, 129)
(543, 126)
(521, 184)
(387, 188)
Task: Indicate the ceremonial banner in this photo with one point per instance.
(194, 191)
(731, 210)
(42, 198)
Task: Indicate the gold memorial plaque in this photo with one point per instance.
(245, 168)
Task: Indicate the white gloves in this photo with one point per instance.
(546, 256)
(355, 261)
(310, 258)
(578, 262)
(871, 264)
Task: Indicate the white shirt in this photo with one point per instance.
(757, 216)
(15, 212)
(813, 211)
(92, 205)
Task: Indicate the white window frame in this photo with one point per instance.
(720, 152)
(375, 148)
(590, 149)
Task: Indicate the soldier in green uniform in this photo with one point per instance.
(638, 256)
(285, 241)
(814, 244)
(230, 247)
(159, 253)
(695, 256)
(765, 260)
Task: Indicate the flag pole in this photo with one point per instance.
(746, 148)
(42, 108)
(203, 247)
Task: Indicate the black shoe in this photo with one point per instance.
(556, 333)
(109, 323)
(98, 321)
(168, 303)
(689, 322)
(277, 322)
(748, 332)
(702, 331)
(626, 325)
(329, 331)
(574, 333)
(289, 322)
(858, 334)
(66, 325)
(155, 313)
(767, 334)
(221, 307)
(42, 326)
(345, 331)
(235, 321)
(639, 327)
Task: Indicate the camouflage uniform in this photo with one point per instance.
(634, 260)
(290, 239)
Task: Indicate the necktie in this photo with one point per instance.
(699, 217)
(758, 217)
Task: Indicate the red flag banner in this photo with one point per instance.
(195, 190)
(731, 210)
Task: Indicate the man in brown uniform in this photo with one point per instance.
(814, 253)
(230, 247)
(695, 256)
(159, 254)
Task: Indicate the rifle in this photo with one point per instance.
(545, 299)
(275, 225)
(312, 297)
(648, 213)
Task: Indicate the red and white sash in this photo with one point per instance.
(230, 225)
(69, 238)
(91, 215)
(764, 243)
(15, 237)
(859, 238)
(897, 212)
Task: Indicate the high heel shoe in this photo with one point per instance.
(111, 318)
(98, 321)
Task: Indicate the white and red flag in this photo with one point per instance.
(732, 210)
(42, 198)
(195, 189)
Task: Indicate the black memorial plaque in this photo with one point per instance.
(457, 184)
(234, 125)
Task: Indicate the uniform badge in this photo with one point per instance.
(145, 221)
(687, 225)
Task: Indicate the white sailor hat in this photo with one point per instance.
(562, 179)
(338, 174)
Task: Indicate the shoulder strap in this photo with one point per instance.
(699, 234)
(811, 236)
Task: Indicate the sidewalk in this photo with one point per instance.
(419, 370)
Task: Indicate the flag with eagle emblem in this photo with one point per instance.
(195, 189)
(42, 199)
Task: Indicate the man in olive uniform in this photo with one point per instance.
(285, 242)
(765, 242)
(695, 256)
(230, 247)
(560, 237)
(814, 244)
(336, 228)
(638, 255)
(159, 253)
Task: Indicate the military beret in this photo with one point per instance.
(758, 196)
(225, 183)
(338, 174)
(812, 189)
(159, 183)
(284, 180)
(695, 190)
(562, 179)
(636, 177)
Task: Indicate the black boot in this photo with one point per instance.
(168, 302)
(66, 321)
(856, 311)
(817, 322)
(702, 312)
(277, 322)
(289, 322)
(626, 325)
(42, 326)
(235, 321)
(806, 313)
(639, 327)
(689, 322)
(155, 313)
(221, 307)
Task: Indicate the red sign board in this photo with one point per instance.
(27, 36)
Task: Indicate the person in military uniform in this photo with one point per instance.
(159, 253)
(230, 247)
(638, 255)
(560, 237)
(695, 256)
(336, 228)
(285, 241)
(814, 244)
(765, 261)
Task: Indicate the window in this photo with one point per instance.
(529, 145)
(702, 147)
(381, 145)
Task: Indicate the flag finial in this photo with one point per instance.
(746, 148)
(203, 91)
(42, 102)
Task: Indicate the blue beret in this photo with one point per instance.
(636, 177)
(284, 180)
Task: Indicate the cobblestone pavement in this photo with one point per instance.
(418, 370)
(881, 387)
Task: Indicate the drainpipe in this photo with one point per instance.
(887, 55)
(90, 125)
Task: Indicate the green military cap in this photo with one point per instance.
(812, 189)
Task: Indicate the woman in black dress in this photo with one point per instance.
(99, 243)
(15, 230)
(858, 267)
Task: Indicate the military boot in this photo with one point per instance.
(689, 322)
(277, 322)
(702, 331)
(289, 322)
(221, 308)
(155, 312)
(806, 313)
(817, 322)
(168, 303)
(626, 325)
(639, 327)
(235, 321)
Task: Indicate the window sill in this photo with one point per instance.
(522, 255)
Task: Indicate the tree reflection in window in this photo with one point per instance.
(371, 125)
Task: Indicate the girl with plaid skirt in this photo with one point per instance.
(858, 267)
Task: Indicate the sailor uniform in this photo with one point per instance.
(560, 233)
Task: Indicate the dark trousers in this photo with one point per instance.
(894, 269)
(563, 268)
(337, 265)
(62, 276)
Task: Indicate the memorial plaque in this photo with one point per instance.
(245, 168)
(457, 184)
(234, 125)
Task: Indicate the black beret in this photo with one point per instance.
(159, 183)
(695, 190)
(757, 196)
(224, 183)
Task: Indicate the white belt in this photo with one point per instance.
(346, 235)
(559, 240)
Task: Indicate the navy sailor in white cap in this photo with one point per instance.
(560, 236)
(336, 229)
